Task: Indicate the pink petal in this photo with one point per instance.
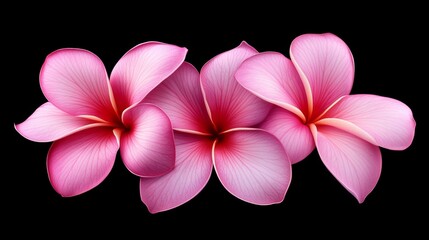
(181, 98)
(326, 67)
(383, 121)
(229, 103)
(48, 123)
(75, 81)
(142, 68)
(272, 77)
(295, 136)
(189, 176)
(355, 163)
(81, 161)
(147, 148)
(253, 166)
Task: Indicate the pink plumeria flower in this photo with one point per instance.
(314, 110)
(89, 117)
(213, 118)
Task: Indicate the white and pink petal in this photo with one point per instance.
(383, 121)
(326, 66)
(295, 136)
(354, 162)
(181, 98)
(253, 166)
(190, 175)
(230, 104)
(80, 162)
(147, 146)
(142, 68)
(272, 77)
(48, 123)
(76, 81)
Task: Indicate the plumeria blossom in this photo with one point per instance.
(213, 118)
(89, 117)
(314, 109)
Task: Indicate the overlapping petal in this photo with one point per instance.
(383, 121)
(229, 104)
(253, 166)
(296, 105)
(288, 128)
(48, 123)
(81, 161)
(75, 81)
(141, 69)
(181, 98)
(86, 123)
(272, 77)
(354, 162)
(189, 176)
(326, 67)
(147, 146)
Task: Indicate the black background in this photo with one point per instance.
(390, 51)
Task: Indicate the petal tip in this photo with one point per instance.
(246, 45)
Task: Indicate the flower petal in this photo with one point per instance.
(231, 105)
(75, 81)
(48, 123)
(388, 122)
(272, 77)
(326, 67)
(292, 133)
(81, 161)
(253, 166)
(142, 68)
(189, 176)
(147, 148)
(181, 98)
(355, 163)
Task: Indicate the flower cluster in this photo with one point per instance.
(246, 116)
